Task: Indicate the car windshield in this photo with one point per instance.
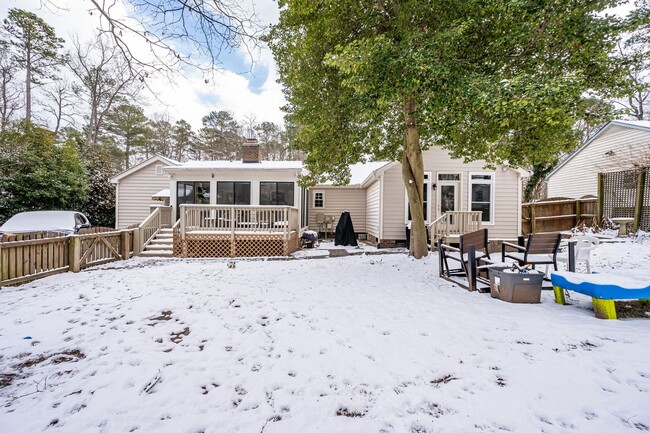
(40, 221)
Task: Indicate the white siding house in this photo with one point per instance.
(619, 145)
(376, 197)
(136, 186)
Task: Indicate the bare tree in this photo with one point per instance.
(11, 96)
(177, 33)
(59, 103)
(105, 79)
(635, 53)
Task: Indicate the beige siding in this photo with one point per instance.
(336, 200)
(579, 176)
(437, 160)
(134, 194)
(372, 209)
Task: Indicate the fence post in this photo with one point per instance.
(578, 213)
(75, 253)
(640, 195)
(124, 244)
(532, 218)
(601, 199)
(136, 241)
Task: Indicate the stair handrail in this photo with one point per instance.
(149, 228)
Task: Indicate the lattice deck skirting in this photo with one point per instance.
(222, 245)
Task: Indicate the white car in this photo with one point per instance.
(61, 221)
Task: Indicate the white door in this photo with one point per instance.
(447, 193)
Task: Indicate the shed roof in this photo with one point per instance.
(235, 165)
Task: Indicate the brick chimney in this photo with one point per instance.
(251, 150)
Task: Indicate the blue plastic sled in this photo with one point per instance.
(602, 288)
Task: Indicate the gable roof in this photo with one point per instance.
(127, 172)
(643, 125)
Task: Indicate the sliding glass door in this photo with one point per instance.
(191, 193)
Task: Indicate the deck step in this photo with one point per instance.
(155, 247)
(159, 241)
(156, 253)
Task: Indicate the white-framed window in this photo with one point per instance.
(159, 169)
(426, 201)
(481, 195)
(319, 199)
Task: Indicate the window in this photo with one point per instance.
(159, 169)
(319, 199)
(426, 202)
(481, 195)
(448, 176)
(191, 193)
(276, 193)
(238, 193)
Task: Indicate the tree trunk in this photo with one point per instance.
(413, 176)
(28, 84)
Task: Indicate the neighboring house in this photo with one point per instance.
(135, 187)
(376, 197)
(619, 145)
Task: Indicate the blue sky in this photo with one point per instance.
(234, 88)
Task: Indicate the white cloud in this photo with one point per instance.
(185, 97)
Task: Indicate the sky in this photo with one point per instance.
(238, 87)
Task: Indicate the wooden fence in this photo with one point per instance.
(29, 256)
(558, 214)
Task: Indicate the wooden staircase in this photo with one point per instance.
(161, 245)
(450, 225)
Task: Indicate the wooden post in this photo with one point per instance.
(571, 263)
(578, 212)
(124, 244)
(601, 199)
(75, 253)
(137, 243)
(471, 267)
(640, 195)
(532, 218)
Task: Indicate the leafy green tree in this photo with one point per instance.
(38, 174)
(499, 81)
(35, 48)
(128, 124)
(100, 204)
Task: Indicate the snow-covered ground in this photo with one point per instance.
(352, 344)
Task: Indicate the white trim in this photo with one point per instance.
(380, 235)
(519, 202)
(143, 164)
(117, 205)
(459, 193)
(427, 185)
(492, 183)
(640, 124)
(322, 199)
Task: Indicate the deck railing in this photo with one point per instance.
(148, 229)
(454, 223)
(238, 219)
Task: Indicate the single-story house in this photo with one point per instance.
(375, 196)
(619, 145)
(377, 201)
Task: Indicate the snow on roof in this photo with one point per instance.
(361, 171)
(163, 193)
(633, 123)
(237, 165)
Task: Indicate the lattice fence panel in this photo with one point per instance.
(177, 246)
(208, 247)
(254, 246)
(644, 223)
(619, 194)
(293, 244)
